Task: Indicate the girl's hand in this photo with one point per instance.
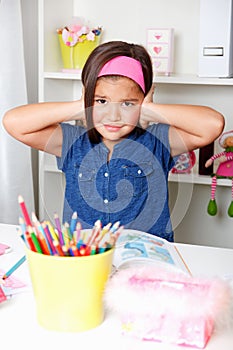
(147, 100)
(149, 97)
(80, 117)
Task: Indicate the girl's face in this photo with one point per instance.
(116, 109)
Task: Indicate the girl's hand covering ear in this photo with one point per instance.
(147, 100)
(149, 97)
(81, 115)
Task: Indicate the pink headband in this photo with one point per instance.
(125, 66)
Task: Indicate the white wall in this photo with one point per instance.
(30, 33)
(129, 19)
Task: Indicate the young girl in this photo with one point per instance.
(117, 165)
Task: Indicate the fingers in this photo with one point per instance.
(149, 96)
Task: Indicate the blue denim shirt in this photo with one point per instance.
(131, 188)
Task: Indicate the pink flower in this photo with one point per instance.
(75, 28)
(83, 30)
(69, 38)
(91, 36)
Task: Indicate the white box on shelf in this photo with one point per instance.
(215, 41)
(160, 48)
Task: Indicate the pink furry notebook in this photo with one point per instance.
(161, 304)
(2, 295)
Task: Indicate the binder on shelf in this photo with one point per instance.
(215, 42)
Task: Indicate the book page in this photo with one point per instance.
(12, 285)
(4, 248)
(136, 247)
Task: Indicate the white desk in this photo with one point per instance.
(19, 328)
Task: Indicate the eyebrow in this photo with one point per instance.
(124, 99)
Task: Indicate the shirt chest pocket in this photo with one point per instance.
(138, 176)
(86, 181)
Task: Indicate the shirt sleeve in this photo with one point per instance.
(162, 145)
(70, 134)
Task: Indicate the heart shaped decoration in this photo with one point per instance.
(158, 36)
(157, 64)
(157, 49)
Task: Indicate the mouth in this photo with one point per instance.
(112, 128)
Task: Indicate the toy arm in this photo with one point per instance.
(215, 156)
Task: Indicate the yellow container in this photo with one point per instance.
(74, 57)
(68, 291)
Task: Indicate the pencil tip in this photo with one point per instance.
(20, 199)
(21, 220)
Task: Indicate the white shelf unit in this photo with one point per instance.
(184, 79)
(54, 85)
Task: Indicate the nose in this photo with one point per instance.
(114, 112)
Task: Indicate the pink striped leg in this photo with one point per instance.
(213, 187)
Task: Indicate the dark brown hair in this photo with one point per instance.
(97, 59)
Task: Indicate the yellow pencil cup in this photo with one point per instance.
(68, 290)
(74, 57)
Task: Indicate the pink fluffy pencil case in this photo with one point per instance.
(164, 305)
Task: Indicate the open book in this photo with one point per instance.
(10, 286)
(137, 247)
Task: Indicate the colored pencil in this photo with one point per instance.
(35, 240)
(22, 225)
(29, 241)
(14, 267)
(95, 232)
(49, 238)
(41, 235)
(24, 211)
(73, 222)
(74, 250)
(93, 249)
(115, 227)
(103, 232)
(103, 248)
(43, 244)
(58, 248)
(59, 229)
(77, 232)
(52, 231)
(67, 231)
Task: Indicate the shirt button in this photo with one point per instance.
(106, 174)
(105, 201)
(80, 175)
(139, 171)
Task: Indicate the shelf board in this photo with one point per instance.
(191, 79)
(49, 168)
(196, 179)
(188, 79)
(62, 75)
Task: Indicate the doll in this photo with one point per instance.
(224, 170)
